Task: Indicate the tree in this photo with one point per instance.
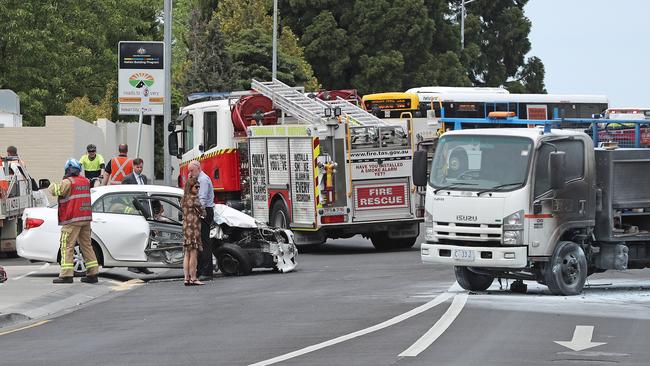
(247, 28)
(530, 79)
(52, 51)
(83, 108)
(496, 41)
(377, 45)
(208, 67)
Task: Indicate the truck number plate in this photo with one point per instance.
(463, 255)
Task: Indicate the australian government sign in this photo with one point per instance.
(141, 77)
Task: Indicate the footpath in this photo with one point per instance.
(29, 294)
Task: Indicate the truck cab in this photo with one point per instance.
(499, 203)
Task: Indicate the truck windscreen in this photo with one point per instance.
(498, 163)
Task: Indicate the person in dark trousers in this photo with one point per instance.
(137, 178)
(118, 167)
(206, 197)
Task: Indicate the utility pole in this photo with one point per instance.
(462, 22)
(167, 107)
(274, 67)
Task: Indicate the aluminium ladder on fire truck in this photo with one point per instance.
(295, 103)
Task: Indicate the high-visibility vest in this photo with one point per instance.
(121, 166)
(76, 207)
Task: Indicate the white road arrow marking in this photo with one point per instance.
(581, 339)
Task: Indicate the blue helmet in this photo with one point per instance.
(73, 163)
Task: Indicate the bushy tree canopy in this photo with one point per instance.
(52, 52)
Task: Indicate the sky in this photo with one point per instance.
(594, 47)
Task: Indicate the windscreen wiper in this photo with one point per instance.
(453, 185)
(497, 187)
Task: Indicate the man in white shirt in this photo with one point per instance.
(136, 177)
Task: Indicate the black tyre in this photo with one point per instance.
(566, 272)
(472, 281)
(233, 260)
(279, 215)
(405, 243)
(381, 241)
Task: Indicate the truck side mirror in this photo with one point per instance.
(556, 167)
(172, 139)
(43, 183)
(420, 168)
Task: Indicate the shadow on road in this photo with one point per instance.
(345, 247)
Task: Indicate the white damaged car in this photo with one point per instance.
(141, 226)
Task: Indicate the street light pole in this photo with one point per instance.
(274, 67)
(462, 22)
(167, 106)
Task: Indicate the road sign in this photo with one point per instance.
(141, 69)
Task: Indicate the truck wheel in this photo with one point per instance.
(279, 215)
(380, 241)
(405, 243)
(472, 281)
(233, 260)
(566, 272)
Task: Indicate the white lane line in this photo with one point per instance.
(437, 301)
(32, 272)
(440, 327)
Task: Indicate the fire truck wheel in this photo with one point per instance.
(566, 272)
(381, 241)
(279, 215)
(405, 243)
(233, 260)
(472, 281)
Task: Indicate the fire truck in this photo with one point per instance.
(323, 168)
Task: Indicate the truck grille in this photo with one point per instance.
(463, 231)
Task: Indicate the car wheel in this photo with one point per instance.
(566, 273)
(279, 215)
(233, 260)
(78, 262)
(472, 281)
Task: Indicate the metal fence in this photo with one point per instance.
(625, 133)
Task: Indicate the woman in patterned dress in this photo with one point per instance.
(192, 213)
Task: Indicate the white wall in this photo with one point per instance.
(46, 149)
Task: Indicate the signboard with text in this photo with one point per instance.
(141, 69)
(380, 196)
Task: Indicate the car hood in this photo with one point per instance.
(227, 215)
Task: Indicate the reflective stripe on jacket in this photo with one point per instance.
(76, 206)
(121, 166)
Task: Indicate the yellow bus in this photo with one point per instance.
(394, 105)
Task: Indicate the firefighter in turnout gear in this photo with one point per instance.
(75, 215)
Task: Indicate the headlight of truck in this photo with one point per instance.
(428, 226)
(513, 228)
